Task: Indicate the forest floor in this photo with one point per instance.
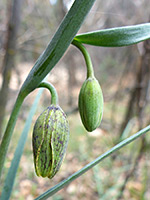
(103, 181)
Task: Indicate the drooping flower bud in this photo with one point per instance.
(91, 104)
(50, 139)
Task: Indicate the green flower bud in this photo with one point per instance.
(91, 104)
(50, 139)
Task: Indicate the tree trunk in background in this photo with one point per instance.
(60, 8)
(140, 96)
(9, 58)
(72, 78)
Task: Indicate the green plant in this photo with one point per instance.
(50, 137)
(90, 97)
(65, 34)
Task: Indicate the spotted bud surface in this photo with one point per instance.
(91, 104)
(50, 139)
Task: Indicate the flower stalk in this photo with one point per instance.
(53, 92)
(90, 71)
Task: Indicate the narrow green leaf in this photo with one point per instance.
(74, 176)
(98, 181)
(9, 182)
(116, 37)
(52, 54)
(59, 44)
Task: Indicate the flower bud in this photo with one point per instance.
(50, 139)
(91, 104)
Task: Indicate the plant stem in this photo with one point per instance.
(51, 88)
(11, 175)
(74, 176)
(90, 71)
(52, 54)
(9, 130)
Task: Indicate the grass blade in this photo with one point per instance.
(74, 176)
(9, 182)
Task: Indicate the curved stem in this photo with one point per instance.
(90, 71)
(51, 88)
(9, 129)
(55, 50)
(74, 176)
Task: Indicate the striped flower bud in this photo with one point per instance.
(50, 139)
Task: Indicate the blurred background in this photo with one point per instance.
(26, 27)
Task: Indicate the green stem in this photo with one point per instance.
(9, 130)
(11, 175)
(54, 51)
(74, 176)
(51, 88)
(59, 43)
(90, 71)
